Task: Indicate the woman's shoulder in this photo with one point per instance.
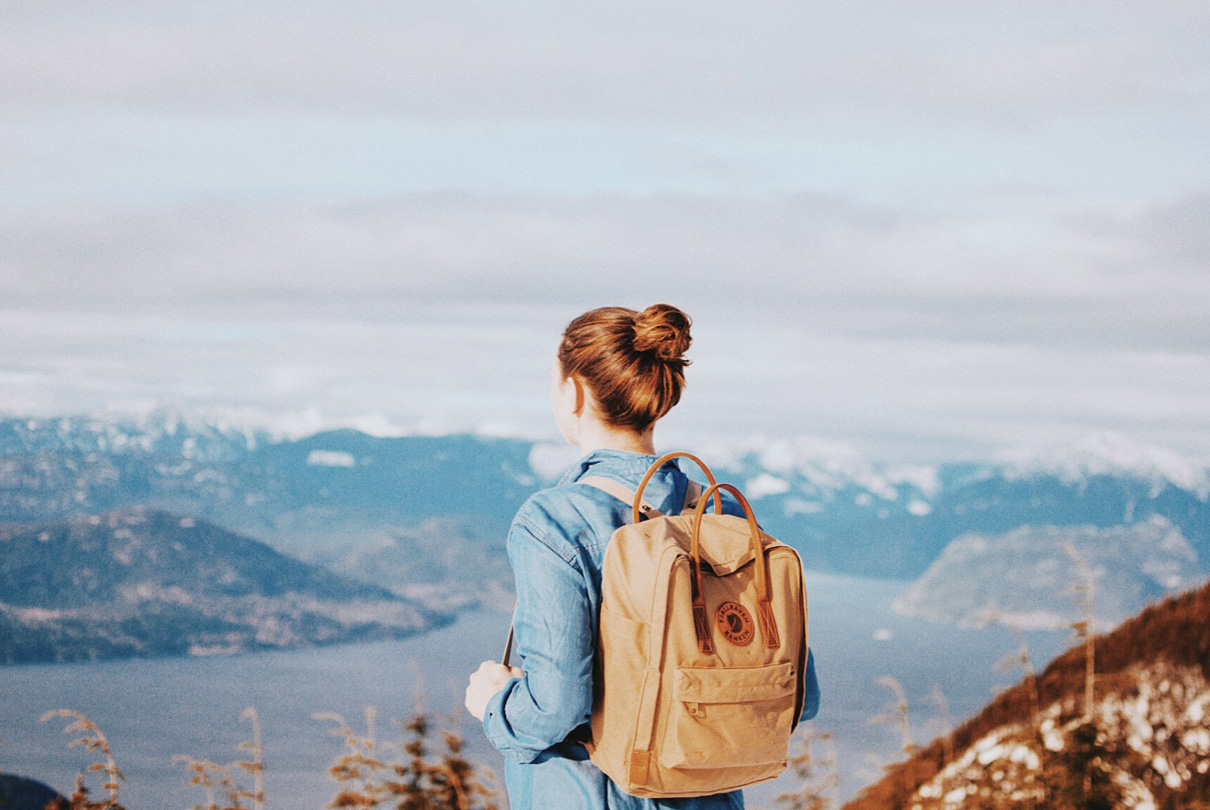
(569, 516)
(564, 504)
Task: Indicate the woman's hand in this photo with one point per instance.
(485, 682)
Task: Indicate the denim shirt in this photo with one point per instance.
(556, 547)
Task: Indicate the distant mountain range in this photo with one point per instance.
(332, 499)
(426, 516)
(137, 582)
(1145, 743)
(849, 516)
(57, 468)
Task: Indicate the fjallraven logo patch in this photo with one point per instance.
(735, 623)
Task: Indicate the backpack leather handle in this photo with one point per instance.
(764, 608)
(660, 462)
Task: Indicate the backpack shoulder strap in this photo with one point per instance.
(693, 493)
(622, 493)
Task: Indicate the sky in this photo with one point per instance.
(926, 230)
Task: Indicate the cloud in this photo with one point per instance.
(713, 62)
(1074, 274)
(925, 334)
(1176, 234)
(932, 225)
(464, 367)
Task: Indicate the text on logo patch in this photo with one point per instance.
(734, 622)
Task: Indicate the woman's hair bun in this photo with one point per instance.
(663, 329)
(632, 362)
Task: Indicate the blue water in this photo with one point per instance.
(153, 710)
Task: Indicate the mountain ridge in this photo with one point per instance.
(1167, 643)
(331, 492)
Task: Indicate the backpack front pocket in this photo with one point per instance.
(724, 717)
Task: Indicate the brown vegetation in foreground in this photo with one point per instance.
(403, 774)
(1176, 630)
(412, 773)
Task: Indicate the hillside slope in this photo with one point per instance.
(1146, 745)
(1021, 578)
(140, 582)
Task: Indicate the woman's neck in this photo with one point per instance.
(603, 437)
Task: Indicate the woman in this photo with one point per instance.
(617, 373)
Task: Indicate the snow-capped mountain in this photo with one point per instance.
(849, 515)
(343, 489)
(58, 468)
(815, 475)
(1115, 455)
(327, 498)
(162, 432)
(403, 512)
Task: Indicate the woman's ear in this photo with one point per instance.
(566, 399)
(579, 408)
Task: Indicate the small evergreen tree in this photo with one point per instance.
(448, 783)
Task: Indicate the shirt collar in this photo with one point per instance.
(619, 462)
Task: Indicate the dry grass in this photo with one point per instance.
(93, 740)
(403, 774)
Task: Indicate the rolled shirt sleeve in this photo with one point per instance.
(555, 637)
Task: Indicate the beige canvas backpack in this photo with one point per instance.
(703, 645)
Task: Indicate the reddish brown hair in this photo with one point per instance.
(632, 362)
